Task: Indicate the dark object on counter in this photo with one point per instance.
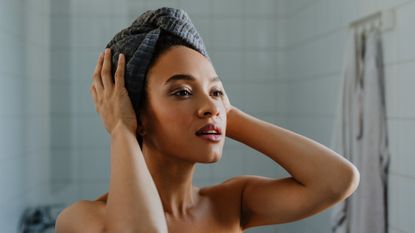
(39, 219)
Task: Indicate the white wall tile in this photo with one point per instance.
(89, 8)
(203, 172)
(228, 32)
(12, 101)
(391, 90)
(231, 164)
(91, 191)
(155, 4)
(406, 204)
(196, 8)
(229, 65)
(390, 49)
(61, 27)
(10, 11)
(90, 132)
(62, 166)
(12, 179)
(60, 101)
(406, 137)
(291, 7)
(263, 8)
(393, 200)
(262, 65)
(10, 214)
(37, 170)
(11, 137)
(262, 32)
(228, 7)
(92, 31)
(36, 133)
(204, 28)
(236, 94)
(260, 164)
(13, 50)
(405, 93)
(262, 97)
(94, 165)
(61, 131)
(405, 33)
(310, 96)
(394, 145)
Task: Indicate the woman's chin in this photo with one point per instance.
(211, 158)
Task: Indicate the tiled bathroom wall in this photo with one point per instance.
(24, 104)
(315, 34)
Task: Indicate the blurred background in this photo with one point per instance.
(280, 60)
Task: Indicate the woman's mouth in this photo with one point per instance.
(210, 132)
(210, 137)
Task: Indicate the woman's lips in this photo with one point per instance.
(211, 137)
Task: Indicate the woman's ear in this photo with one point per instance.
(140, 124)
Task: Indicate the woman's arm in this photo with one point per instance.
(320, 177)
(133, 203)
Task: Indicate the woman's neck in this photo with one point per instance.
(173, 179)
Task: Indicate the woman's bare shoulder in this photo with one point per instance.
(231, 185)
(82, 216)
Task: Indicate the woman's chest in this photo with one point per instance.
(212, 216)
(207, 225)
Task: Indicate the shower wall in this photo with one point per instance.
(24, 104)
(314, 51)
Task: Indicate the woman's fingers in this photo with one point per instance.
(106, 71)
(94, 97)
(119, 73)
(96, 77)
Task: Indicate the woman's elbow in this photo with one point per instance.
(347, 184)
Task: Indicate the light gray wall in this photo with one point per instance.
(314, 50)
(24, 104)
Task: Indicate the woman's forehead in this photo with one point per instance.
(181, 63)
(191, 78)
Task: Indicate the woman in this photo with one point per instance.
(183, 119)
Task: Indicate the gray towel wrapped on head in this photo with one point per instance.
(137, 43)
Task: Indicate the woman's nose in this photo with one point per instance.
(208, 107)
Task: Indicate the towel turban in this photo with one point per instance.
(137, 43)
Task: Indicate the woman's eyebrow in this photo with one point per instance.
(187, 77)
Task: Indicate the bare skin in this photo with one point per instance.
(171, 150)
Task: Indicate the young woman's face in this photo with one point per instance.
(178, 107)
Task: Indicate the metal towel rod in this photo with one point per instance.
(386, 18)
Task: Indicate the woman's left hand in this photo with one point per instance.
(112, 101)
(230, 115)
(226, 102)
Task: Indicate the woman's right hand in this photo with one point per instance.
(112, 101)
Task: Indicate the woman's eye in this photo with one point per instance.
(220, 92)
(182, 92)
